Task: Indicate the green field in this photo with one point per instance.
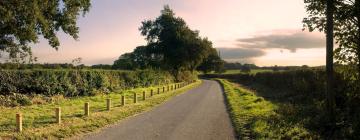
(39, 120)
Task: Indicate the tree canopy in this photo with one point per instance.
(346, 27)
(23, 21)
(171, 45)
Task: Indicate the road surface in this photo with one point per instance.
(199, 114)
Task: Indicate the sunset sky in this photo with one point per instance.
(264, 32)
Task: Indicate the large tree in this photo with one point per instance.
(23, 21)
(346, 27)
(178, 47)
(339, 19)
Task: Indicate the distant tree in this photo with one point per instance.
(174, 43)
(237, 65)
(304, 66)
(275, 68)
(212, 63)
(22, 21)
(101, 66)
(125, 62)
(245, 69)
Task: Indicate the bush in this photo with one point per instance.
(15, 100)
(70, 83)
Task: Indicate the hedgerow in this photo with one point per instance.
(74, 82)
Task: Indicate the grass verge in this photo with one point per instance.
(256, 118)
(39, 120)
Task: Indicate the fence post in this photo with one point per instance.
(87, 109)
(58, 115)
(151, 93)
(175, 86)
(108, 104)
(122, 100)
(144, 95)
(19, 123)
(135, 98)
(163, 89)
(168, 88)
(158, 90)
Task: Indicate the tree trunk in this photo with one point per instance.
(357, 10)
(330, 96)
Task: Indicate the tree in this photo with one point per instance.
(317, 8)
(212, 63)
(23, 21)
(174, 43)
(275, 68)
(125, 62)
(245, 69)
(346, 27)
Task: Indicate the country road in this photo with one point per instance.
(199, 114)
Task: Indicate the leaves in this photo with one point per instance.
(23, 21)
(172, 43)
(346, 27)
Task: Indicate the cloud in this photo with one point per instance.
(240, 53)
(292, 41)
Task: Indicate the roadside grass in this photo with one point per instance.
(39, 120)
(254, 117)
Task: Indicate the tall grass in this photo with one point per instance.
(257, 118)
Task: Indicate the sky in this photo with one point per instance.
(263, 32)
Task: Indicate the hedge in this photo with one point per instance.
(74, 82)
(299, 81)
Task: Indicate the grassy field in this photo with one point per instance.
(39, 120)
(253, 71)
(256, 118)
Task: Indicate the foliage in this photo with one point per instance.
(173, 44)
(125, 62)
(7, 66)
(140, 58)
(22, 22)
(237, 65)
(245, 69)
(102, 66)
(72, 83)
(346, 27)
(212, 63)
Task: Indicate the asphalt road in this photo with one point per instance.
(199, 114)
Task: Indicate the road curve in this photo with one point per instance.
(198, 114)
